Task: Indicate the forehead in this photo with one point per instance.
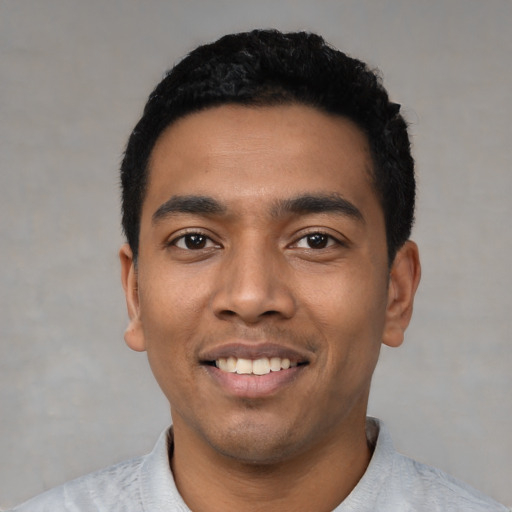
(239, 154)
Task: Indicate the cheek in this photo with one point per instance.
(350, 295)
(348, 310)
(169, 298)
(170, 311)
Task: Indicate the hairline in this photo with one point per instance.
(258, 103)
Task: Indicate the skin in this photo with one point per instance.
(253, 272)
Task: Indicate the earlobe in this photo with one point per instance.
(403, 282)
(133, 335)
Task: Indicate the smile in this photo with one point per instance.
(260, 366)
(254, 370)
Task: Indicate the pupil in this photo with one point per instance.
(195, 241)
(317, 241)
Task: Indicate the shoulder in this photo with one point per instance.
(140, 484)
(396, 483)
(115, 488)
(420, 483)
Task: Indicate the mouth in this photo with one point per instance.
(260, 366)
(254, 370)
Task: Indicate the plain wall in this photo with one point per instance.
(74, 78)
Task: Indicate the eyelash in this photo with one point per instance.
(329, 240)
(183, 237)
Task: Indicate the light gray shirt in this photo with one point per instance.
(391, 483)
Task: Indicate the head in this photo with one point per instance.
(269, 68)
(267, 199)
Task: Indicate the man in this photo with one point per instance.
(268, 198)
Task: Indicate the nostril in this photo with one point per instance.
(228, 312)
(266, 314)
(243, 298)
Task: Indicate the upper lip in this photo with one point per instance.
(253, 351)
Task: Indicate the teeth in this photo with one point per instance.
(261, 366)
(227, 365)
(231, 364)
(244, 366)
(275, 364)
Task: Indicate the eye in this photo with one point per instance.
(193, 241)
(316, 241)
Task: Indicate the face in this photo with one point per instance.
(262, 291)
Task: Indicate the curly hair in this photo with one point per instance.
(266, 68)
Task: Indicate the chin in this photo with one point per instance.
(257, 444)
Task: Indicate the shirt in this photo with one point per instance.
(391, 483)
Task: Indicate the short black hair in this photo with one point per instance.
(265, 68)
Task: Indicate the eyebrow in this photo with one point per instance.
(317, 203)
(300, 205)
(199, 205)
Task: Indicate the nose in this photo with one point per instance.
(253, 284)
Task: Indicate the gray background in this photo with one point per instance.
(74, 77)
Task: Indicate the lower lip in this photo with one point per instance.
(254, 386)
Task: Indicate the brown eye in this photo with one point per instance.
(317, 241)
(193, 241)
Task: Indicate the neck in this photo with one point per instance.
(319, 478)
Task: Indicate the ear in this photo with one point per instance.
(403, 281)
(133, 335)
